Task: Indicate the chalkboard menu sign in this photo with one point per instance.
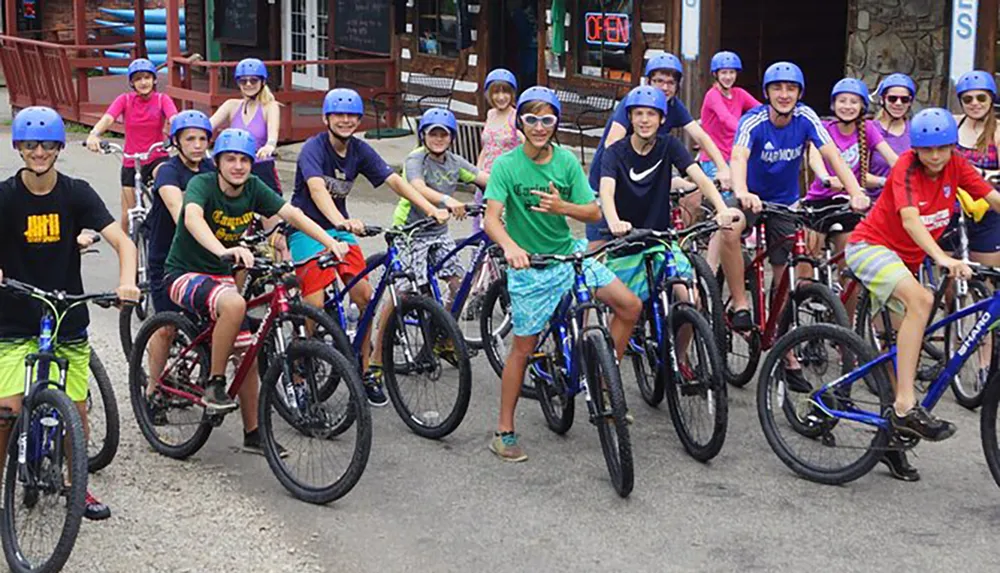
(236, 22)
(363, 25)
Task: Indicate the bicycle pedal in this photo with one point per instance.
(214, 420)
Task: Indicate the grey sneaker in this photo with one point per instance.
(505, 446)
(920, 423)
(216, 399)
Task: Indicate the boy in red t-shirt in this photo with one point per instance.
(903, 227)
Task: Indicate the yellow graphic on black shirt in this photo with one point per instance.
(230, 228)
(42, 229)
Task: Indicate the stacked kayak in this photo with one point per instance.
(155, 31)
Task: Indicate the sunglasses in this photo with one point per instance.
(32, 145)
(981, 98)
(249, 81)
(898, 99)
(547, 121)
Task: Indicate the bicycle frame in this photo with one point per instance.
(484, 243)
(277, 304)
(991, 314)
(767, 317)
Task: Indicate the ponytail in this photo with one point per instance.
(863, 155)
(986, 138)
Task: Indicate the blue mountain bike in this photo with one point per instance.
(837, 432)
(45, 473)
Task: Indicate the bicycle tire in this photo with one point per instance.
(647, 364)
(860, 353)
(497, 294)
(815, 292)
(103, 457)
(974, 398)
(137, 386)
(125, 329)
(470, 315)
(441, 323)
(144, 309)
(558, 405)
(708, 357)
(360, 414)
(988, 426)
(710, 295)
(616, 444)
(741, 375)
(75, 503)
(341, 344)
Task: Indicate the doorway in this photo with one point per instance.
(305, 36)
(810, 34)
(513, 26)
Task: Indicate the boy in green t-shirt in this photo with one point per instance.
(536, 186)
(218, 208)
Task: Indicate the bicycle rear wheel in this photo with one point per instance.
(709, 296)
(550, 378)
(836, 450)
(41, 514)
(696, 393)
(608, 411)
(643, 349)
(310, 422)
(989, 431)
(144, 309)
(426, 367)
(742, 349)
(496, 327)
(102, 417)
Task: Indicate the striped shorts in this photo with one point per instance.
(200, 293)
(880, 270)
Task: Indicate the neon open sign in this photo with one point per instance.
(607, 29)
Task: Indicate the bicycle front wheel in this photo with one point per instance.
(307, 445)
(608, 411)
(970, 382)
(41, 513)
(426, 367)
(102, 417)
(144, 309)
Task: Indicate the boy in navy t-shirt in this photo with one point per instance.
(767, 155)
(327, 167)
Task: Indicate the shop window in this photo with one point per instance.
(604, 39)
(437, 27)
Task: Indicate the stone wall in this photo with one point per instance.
(908, 36)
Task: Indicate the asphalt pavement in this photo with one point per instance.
(450, 505)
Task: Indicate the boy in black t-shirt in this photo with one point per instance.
(41, 214)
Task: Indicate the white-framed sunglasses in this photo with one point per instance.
(531, 120)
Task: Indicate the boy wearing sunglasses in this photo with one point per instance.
(536, 187)
(42, 212)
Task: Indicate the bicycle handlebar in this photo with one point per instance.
(104, 300)
(108, 147)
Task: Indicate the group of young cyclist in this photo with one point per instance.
(904, 172)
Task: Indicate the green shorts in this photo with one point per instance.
(12, 353)
(880, 270)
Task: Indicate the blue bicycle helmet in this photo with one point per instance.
(235, 141)
(726, 61)
(250, 67)
(897, 81)
(850, 86)
(784, 72)
(140, 65)
(542, 94)
(343, 100)
(664, 61)
(38, 123)
(190, 118)
(933, 127)
(976, 80)
(437, 117)
(500, 75)
(646, 96)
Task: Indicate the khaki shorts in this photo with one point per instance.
(13, 352)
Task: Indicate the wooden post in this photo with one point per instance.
(986, 36)
(543, 71)
(638, 44)
(173, 43)
(140, 29)
(10, 17)
(80, 39)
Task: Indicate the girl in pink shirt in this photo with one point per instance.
(723, 106)
(145, 114)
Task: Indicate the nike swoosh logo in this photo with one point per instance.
(637, 177)
(922, 204)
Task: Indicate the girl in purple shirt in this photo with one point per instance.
(896, 93)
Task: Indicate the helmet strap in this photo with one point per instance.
(336, 136)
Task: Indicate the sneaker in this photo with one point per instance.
(920, 423)
(94, 510)
(216, 399)
(795, 381)
(373, 388)
(505, 446)
(898, 464)
(740, 320)
(157, 410)
(252, 444)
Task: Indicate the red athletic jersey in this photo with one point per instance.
(934, 197)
